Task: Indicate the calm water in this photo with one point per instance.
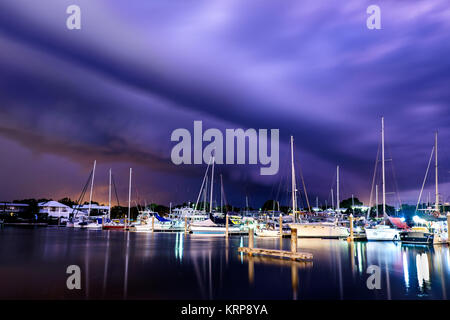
(125, 265)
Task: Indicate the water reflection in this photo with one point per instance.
(179, 241)
(423, 271)
(293, 265)
(133, 266)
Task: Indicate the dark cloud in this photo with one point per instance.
(116, 89)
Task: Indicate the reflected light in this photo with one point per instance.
(423, 272)
(405, 270)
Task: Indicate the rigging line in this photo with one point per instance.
(425, 179)
(304, 186)
(115, 190)
(83, 192)
(203, 182)
(395, 177)
(373, 180)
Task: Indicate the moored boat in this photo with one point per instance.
(417, 235)
(382, 233)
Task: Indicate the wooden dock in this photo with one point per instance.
(302, 256)
(293, 254)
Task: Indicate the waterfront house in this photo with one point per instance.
(56, 209)
(12, 208)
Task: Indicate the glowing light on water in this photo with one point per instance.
(423, 272)
(179, 246)
(405, 270)
(241, 244)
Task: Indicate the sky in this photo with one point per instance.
(137, 70)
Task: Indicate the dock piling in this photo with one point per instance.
(226, 225)
(250, 239)
(294, 240)
(448, 227)
(281, 226)
(351, 228)
(153, 223)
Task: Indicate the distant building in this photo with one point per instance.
(8, 208)
(56, 209)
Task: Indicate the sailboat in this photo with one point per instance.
(382, 232)
(422, 234)
(88, 223)
(212, 225)
(314, 229)
(108, 224)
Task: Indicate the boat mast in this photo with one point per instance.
(294, 206)
(212, 184)
(129, 199)
(332, 199)
(376, 199)
(92, 187)
(109, 195)
(436, 171)
(246, 204)
(221, 193)
(337, 189)
(382, 165)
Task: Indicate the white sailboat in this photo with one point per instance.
(382, 232)
(315, 229)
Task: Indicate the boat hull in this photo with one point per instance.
(320, 231)
(388, 234)
(199, 230)
(417, 237)
(267, 233)
(113, 227)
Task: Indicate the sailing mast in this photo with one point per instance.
(376, 199)
(436, 171)
(332, 199)
(337, 189)
(212, 184)
(382, 165)
(109, 195)
(92, 187)
(129, 200)
(294, 200)
(221, 194)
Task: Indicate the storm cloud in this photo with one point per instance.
(116, 89)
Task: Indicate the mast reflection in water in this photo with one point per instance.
(130, 265)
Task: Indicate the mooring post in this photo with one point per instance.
(153, 223)
(185, 224)
(281, 226)
(226, 225)
(250, 240)
(294, 240)
(448, 227)
(351, 227)
(125, 223)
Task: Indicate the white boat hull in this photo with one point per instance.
(319, 230)
(382, 234)
(201, 230)
(267, 233)
(150, 227)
